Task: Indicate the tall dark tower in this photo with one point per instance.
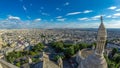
(101, 39)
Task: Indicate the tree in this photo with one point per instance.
(32, 53)
(69, 51)
(114, 51)
(82, 45)
(58, 46)
(76, 48)
(56, 57)
(38, 47)
(18, 64)
(117, 59)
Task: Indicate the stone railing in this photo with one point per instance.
(4, 64)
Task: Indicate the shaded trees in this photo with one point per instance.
(69, 49)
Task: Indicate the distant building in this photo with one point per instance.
(88, 58)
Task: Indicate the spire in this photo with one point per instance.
(101, 19)
(101, 25)
(101, 38)
(102, 29)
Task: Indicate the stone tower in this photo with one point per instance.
(101, 39)
(94, 58)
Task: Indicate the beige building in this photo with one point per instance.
(88, 58)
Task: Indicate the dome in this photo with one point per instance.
(94, 61)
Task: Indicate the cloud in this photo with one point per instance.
(87, 11)
(11, 22)
(96, 17)
(116, 15)
(109, 16)
(113, 24)
(58, 9)
(83, 19)
(117, 10)
(13, 17)
(61, 19)
(28, 17)
(45, 14)
(37, 20)
(67, 3)
(112, 7)
(4, 24)
(25, 9)
(73, 13)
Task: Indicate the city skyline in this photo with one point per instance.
(58, 14)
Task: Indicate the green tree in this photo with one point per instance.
(76, 47)
(32, 53)
(69, 51)
(38, 47)
(117, 59)
(18, 64)
(114, 51)
(56, 57)
(58, 46)
(82, 45)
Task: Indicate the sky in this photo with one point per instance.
(58, 13)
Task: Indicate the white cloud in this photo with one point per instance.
(109, 16)
(67, 3)
(37, 20)
(117, 10)
(61, 19)
(11, 22)
(24, 8)
(113, 24)
(28, 17)
(87, 11)
(83, 19)
(112, 7)
(14, 22)
(45, 14)
(116, 14)
(96, 17)
(13, 17)
(73, 13)
(58, 9)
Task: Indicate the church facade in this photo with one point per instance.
(94, 58)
